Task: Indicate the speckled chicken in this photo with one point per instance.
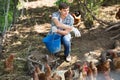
(77, 18)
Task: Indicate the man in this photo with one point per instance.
(62, 23)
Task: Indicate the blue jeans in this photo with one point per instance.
(66, 41)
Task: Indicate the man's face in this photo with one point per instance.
(64, 12)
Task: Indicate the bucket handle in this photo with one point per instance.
(53, 36)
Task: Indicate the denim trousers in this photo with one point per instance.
(66, 42)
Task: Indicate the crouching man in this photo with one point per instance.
(62, 24)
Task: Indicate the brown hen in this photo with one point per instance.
(117, 16)
(116, 62)
(69, 74)
(9, 63)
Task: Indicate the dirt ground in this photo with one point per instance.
(26, 37)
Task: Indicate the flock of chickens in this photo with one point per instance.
(84, 71)
(109, 61)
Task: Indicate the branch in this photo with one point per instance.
(36, 62)
(113, 25)
(118, 35)
(94, 17)
(33, 61)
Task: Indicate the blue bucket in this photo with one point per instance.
(52, 43)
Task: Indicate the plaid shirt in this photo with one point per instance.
(69, 20)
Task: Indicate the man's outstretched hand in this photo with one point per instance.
(76, 32)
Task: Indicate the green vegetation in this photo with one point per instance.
(6, 14)
(59, 1)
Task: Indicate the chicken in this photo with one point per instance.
(104, 68)
(37, 69)
(69, 74)
(90, 74)
(92, 71)
(48, 71)
(35, 76)
(83, 73)
(116, 62)
(56, 77)
(42, 76)
(117, 16)
(77, 18)
(89, 71)
(9, 63)
(47, 74)
(36, 73)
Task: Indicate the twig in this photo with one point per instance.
(55, 60)
(21, 59)
(31, 60)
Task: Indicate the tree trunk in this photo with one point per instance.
(14, 12)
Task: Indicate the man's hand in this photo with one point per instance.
(76, 32)
(54, 29)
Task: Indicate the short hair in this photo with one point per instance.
(63, 5)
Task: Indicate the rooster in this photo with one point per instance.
(77, 18)
(9, 63)
(84, 70)
(117, 16)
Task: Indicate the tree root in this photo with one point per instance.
(118, 35)
(112, 26)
